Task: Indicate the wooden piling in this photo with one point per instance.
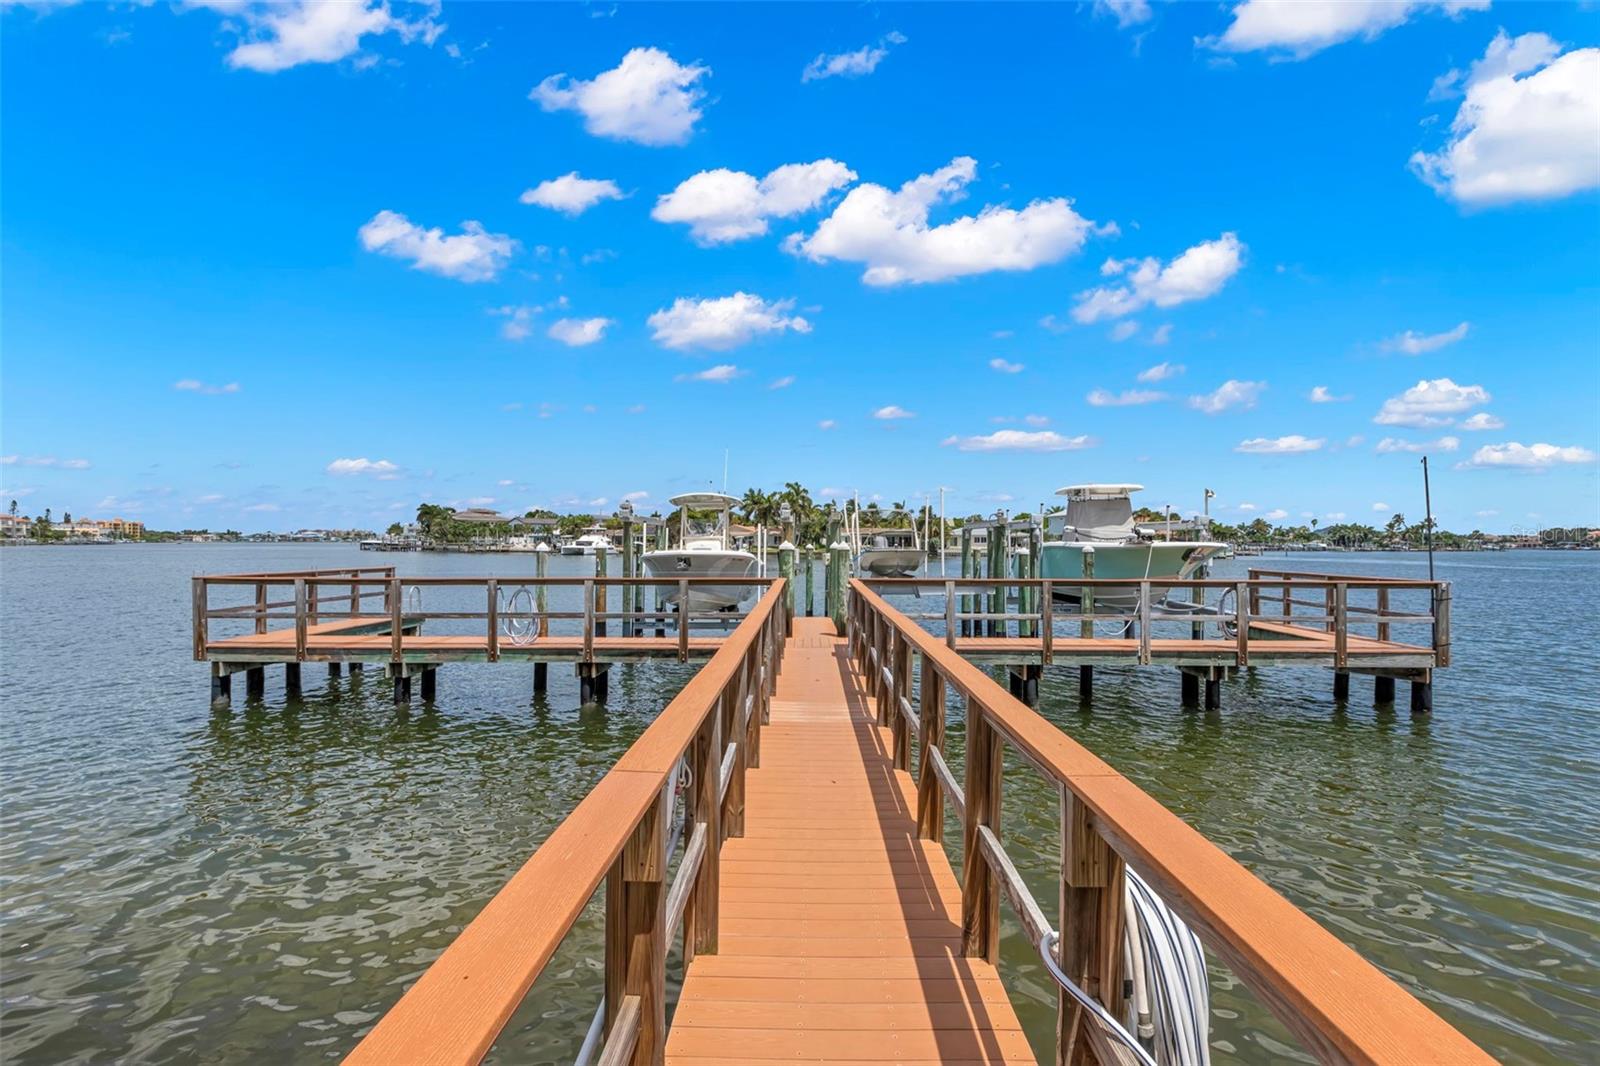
(255, 682)
(291, 680)
(1382, 690)
(600, 597)
(811, 581)
(1190, 688)
(1421, 697)
(1341, 685)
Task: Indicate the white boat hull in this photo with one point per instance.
(889, 562)
(1061, 561)
(674, 563)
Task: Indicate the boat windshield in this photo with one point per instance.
(1094, 516)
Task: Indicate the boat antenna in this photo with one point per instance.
(1427, 515)
(724, 471)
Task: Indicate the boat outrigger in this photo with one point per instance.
(1099, 520)
(703, 550)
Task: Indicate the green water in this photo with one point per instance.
(260, 883)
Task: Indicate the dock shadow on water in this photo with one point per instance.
(261, 882)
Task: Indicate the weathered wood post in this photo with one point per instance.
(629, 568)
(999, 544)
(600, 590)
(700, 921)
(980, 896)
(930, 738)
(1086, 627)
(969, 563)
(786, 555)
(1090, 949)
(838, 576)
(636, 930)
(1027, 595)
(1382, 690)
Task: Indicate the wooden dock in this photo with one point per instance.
(840, 925)
(819, 918)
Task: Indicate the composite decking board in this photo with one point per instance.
(839, 935)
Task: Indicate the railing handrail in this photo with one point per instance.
(456, 1009)
(1308, 581)
(1340, 1005)
(1295, 575)
(343, 577)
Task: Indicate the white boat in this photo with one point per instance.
(888, 552)
(588, 544)
(703, 550)
(1098, 521)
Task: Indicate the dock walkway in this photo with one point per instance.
(840, 928)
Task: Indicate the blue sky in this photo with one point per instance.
(305, 266)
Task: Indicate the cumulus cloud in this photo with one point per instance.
(1161, 372)
(1430, 403)
(781, 383)
(1481, 421)
(579, 332)
(1123, 330)
(1198, 273)
(722, 323)
(193, 385)
(888, 231)
(720, 374)
(44, 460)
(1017, 440)
(1299, 28)
(1126, 12)
(1004, 367)
(729, 205)
(826, 423)
(855, 64)
(649, 98)
(1526, 128)
(1162, 335)
(1390, 445)
(1413, 343)
(1528, 456)
(1230, 395)
(382, 469)
(1290, 445)
(1126, 398)
(1277, 514)
(1381, 507)
(892, 412)
(571, 194)
(1322, 394)
(474, 254)
(283, 35)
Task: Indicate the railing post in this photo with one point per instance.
(1086, 596)
(700, 922)
(199, 606)
(492, 613)
(355, 595)
(311, 607)
(734, 732)
(1047, 621)
(950, 614)
(636, 930)
(1341, 624)
(900, 732)
(1145, 595)
(396, 619)
(1383, 612)
(588, 620)
(683, 619)
(1441, 624)
(886, 658)
(299, 619)
(930, 738)
(1091, 933)
(980, 896)
(1328, 608)
(261, 606)
(1255, 594)
(1241, 622)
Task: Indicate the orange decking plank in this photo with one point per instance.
(839, 932)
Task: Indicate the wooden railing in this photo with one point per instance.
(1341, 1007)
(515, 610)
(1212, 608)
(617, 835)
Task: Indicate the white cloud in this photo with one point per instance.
(1017, 440)
(1036, 420)
(1228, 396)
(1481, 421)
(1292, 444)
(1390, 445)
(44, 460)
(891, 412)
(635, 497)
(284, 35)
(1248, 507)
(1005, 367)
(382, 469)
(571, 194)
(1277, 514)
(1054, 324)
(888, 231)
(474, 254)
(1198, 273)
(1127, 398)
(729, 205)
(518, 320)
(1322, 394)
(782, 383)
(1529, 456)
(579, 332)
(1126, 12)
(855, 64)
(826, 423)
(192, 385)
(1430, 403)
(1123, 330)
(648, 98)
(1301, 28)
(1161, 372)
(1381, 507)
(1412, 343)
(1162, 335)
(1526, 129)
(722, 323)
(720, 374)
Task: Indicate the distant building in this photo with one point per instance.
(481, 516)
(15, 527)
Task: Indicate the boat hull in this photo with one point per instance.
(889, 562)
(1063, 561)
(676, 564)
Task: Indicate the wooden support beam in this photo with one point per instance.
(1085, 682)
(1190, 688)
(1091, 933)
(255, 682)
(221, 687)
(430, 684)
(701, 921)
(636, 931)
(541, 678)
(1422, 697)
(1213, 693)
(980, 895)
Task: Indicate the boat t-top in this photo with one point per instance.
(1098, 520)
(703, 550)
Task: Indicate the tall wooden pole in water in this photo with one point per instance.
(1427, 517)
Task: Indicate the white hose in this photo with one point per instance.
(1166, 958)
